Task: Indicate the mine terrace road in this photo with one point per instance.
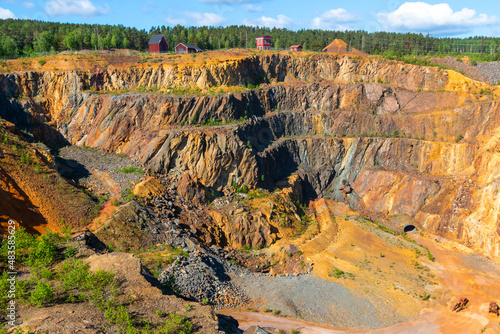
(469, 275)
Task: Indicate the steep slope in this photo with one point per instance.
(418, 136)
(33, 193)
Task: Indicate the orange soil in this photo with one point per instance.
(16, 205)
(460, 272)
(36, 197)
(87, 59)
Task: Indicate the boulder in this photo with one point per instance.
(191, 189)
(149, 188)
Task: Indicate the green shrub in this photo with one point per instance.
(242, 189)
(25, 158)
(337, 273)
(430, 256)
(74, 274)
(119, 315)
(160, 313)
(43, 253)
(4, 289)
(459, 138)
(46, 273)
(42, 295)
(31, 250)
(176, 324)
(70, 251)
(127, 195)
(42, 62)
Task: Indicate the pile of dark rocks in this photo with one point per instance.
(205, 276)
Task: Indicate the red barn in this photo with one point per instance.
(187, 48)
(158, 44)
(264, 42)
(296, 48)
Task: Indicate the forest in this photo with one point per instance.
(27, 37)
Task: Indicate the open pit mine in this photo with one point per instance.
(220, 191)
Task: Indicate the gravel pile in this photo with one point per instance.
(487, 72)
(80, 164)
(314, 299)
(491, 70)
(205, 273)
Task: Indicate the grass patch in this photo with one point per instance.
(459, 138)
(132, 169)
(337, 273)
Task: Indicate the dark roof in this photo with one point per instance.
(191, 46)
(156, 39)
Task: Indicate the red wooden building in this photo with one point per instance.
(187, 48)
(296, 48)
(263, 42)
(158, 44)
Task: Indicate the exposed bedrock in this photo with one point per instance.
(392, 149)
(56, 93)
(248, 70)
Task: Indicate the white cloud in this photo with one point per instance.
(252, 8)
(439, 19)
(205, 19)
(281, 21)
(175, 21)
(330, 20)
(73, 7)
(29, 4)
(6, 14)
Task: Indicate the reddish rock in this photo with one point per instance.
(191, 189)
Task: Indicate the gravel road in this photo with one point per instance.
(90, 168)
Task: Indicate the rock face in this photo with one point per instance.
(385, 137)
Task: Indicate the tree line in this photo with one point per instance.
(25, 37)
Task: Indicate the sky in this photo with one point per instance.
(437, 18)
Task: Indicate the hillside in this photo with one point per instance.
(239, 177)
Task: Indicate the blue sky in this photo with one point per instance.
(438, 18)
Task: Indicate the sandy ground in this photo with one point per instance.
(469, 275)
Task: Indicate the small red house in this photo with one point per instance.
(187, 48)
(158, 44)
(264, 42)
(296, 48)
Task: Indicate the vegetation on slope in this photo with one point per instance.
(57, 277)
